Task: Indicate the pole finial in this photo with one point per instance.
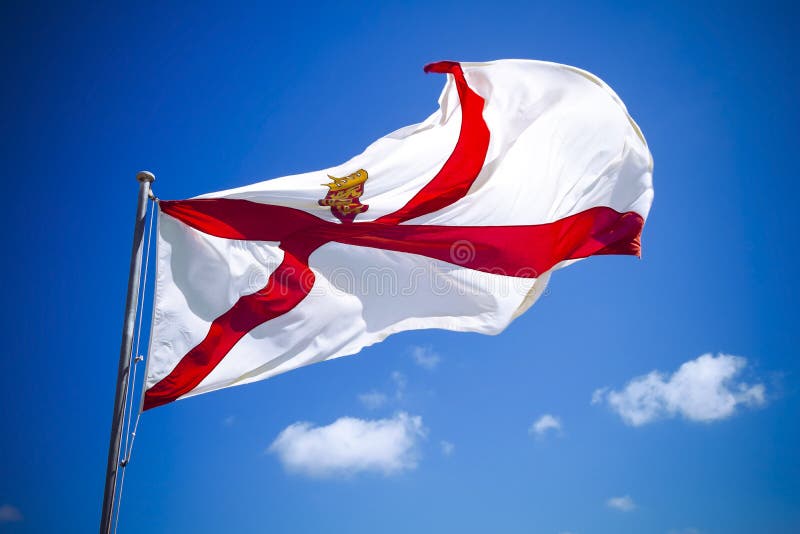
(145, 176)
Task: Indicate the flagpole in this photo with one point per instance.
(145, 178)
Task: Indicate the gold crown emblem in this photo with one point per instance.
(349, 181)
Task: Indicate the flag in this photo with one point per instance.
(452, 223)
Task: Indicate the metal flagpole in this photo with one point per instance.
(145, 178)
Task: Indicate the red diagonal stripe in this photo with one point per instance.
(454, 179)
(509, 250)
(287, 286)
(240, 219)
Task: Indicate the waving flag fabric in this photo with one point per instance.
(452, 223)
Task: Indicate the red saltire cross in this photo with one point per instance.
(524, 251)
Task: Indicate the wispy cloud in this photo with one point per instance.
(229, 421)
(623, 504)
(546, 423)
(373, 399)
(349, 446)
(400, 382)
(598, 395)
(425, 357)
(10, 514)
(447, 447)
(703, 389)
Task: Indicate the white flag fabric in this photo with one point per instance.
(453, 223)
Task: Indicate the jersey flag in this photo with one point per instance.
(453, 223)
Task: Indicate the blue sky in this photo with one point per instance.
(215, 96)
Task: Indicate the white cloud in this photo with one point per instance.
(10, 514)
(373, 399)
(349, 446)
(623, 504)
(703, 389)
(544, 424)
(229, 421)
(447, 447)
(425, 357)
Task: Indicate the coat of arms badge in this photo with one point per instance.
(344, 194)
